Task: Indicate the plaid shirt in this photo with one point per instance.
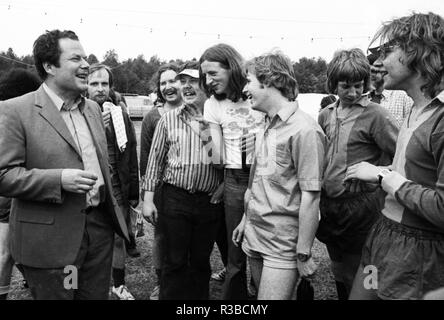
(397, 102)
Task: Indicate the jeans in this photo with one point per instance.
(235, 285)
(189, 224)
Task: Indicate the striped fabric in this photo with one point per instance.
(178, 157)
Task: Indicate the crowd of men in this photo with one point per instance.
(227, 156)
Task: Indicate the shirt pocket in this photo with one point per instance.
(273, 163)
(36, 212)
(281, 164)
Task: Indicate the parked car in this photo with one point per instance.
(138, 106)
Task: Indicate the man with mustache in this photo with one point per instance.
(122, 152)
(188, 219)
(169, 98)
(54, 164)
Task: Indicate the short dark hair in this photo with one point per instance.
(168, 66)
(46, 49)
(275, 70)
(231, 60)
(421, 37)
(327, 100)
(350, 66)
(17, 82)
(98, 66)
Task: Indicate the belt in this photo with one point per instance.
(182, 190)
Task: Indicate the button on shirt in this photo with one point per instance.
(76, 123)
(288, 160)
(178, 157)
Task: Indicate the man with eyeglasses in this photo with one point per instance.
(406, 245)
(397, 102)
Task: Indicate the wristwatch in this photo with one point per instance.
(382, 174)
(303, 257)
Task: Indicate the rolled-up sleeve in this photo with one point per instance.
(308, 153)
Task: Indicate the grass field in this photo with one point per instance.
(140, 276)
(141, 279)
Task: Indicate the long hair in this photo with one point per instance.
(232, 61)
(421, 37)
(168, 66)
(350, 66)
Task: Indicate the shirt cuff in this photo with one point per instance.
(310, 185)
(149, 185)
(392, 182)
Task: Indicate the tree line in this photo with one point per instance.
(137, 75)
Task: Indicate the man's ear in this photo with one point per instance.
(49, 68)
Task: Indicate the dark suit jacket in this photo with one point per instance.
(47, 223)
(126, 168)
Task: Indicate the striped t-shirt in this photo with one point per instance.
(178, 157)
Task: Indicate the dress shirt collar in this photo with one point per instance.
(59, 103)
(363, 102)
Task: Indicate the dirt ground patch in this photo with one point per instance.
(141, 279)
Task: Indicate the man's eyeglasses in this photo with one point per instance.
(383, 50)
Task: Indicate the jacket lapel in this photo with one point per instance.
(50, 113)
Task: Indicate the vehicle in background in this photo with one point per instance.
(138, 106)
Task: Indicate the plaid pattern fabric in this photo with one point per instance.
(398, 103)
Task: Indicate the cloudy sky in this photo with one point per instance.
(184, 29)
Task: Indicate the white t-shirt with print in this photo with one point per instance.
(237, 119)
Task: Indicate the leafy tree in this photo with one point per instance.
(137, 75)
(111, 59)
(92, 59)
(311, 75)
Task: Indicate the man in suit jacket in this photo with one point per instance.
(54, 164)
